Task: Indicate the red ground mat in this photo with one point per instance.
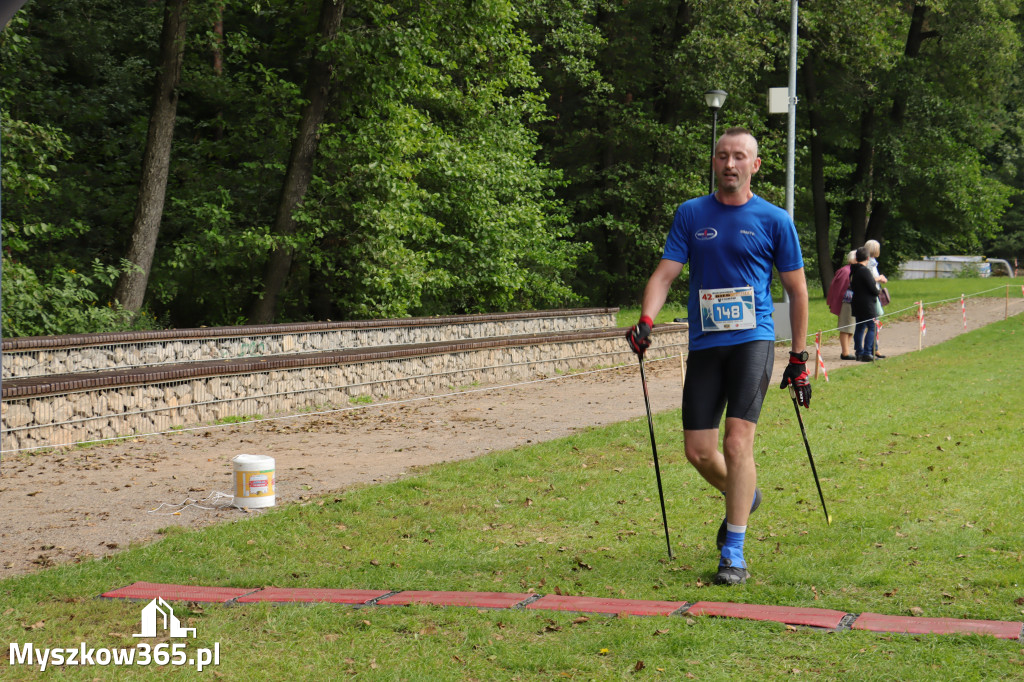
(819, 618)
(312, 595)
(633, 607)
(482, 600)
(822, 618)
(875, 622)
(141, 590)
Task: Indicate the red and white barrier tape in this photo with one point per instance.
(817, 350)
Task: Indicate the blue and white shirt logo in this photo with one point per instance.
(706, 234)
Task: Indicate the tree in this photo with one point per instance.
(630, 128)
(49, 285)
(901, 139)
(299, 173)
(131, 287)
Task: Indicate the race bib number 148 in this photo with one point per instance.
(727, 309)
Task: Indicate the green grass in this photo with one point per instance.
(919, 458)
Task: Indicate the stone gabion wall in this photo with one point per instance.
(44, 362)
(91, 415)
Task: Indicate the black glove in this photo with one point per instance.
(796, 374)
(639, 337)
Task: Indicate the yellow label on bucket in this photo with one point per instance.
(254, 483)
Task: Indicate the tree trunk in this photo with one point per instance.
(822, 242)
(156, 160)
(875, 216)
(300, 165)
(916, 36)
(856, 213)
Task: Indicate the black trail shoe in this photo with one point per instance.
(722, 529)
(730, 575)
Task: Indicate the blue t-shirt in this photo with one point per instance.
(732, 246)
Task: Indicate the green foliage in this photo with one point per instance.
(905, 132)
(630, 129)
(64, 302)
(57, 269)
(491, 155)
(427, 198)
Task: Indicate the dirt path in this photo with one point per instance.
(77, 504)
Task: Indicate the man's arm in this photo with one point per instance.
(656, 291)
(795, 285)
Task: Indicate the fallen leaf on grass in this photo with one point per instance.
(639, 666)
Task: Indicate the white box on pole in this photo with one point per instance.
(778, 100)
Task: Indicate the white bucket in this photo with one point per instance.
(254, 481)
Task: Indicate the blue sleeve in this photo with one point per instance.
(676, 246)
(788, 256)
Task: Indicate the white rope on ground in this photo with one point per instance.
(189, 502)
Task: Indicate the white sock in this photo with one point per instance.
(735, 529)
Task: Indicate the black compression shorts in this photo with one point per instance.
(734, 375)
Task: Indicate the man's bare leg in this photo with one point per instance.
(742, 474)
(732, 472)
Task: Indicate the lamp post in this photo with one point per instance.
(714, 99)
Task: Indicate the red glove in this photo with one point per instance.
(796, 374)
(639, 337)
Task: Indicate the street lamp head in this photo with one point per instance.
(715, 99)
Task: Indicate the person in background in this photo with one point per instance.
(874, 251)
(864, 306)
(839, 297)
(731, 239)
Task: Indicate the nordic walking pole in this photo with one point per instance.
(654, 449)
(792, 393)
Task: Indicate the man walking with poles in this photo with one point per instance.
(731, 240)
